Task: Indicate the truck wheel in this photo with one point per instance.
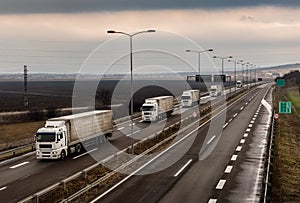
(78, 148)
(62, 155)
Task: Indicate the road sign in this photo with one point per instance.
(276, 116)
(280, 82)
(285, 107)
(194, 114)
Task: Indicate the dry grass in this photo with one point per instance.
(13, 135)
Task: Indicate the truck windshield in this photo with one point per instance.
(213, 90)
(185, 97)
(45, 137)
(147, 108)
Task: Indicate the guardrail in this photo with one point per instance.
(16, 151)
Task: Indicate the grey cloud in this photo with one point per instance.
(74, 6)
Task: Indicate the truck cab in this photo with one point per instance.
(149, 111)
(51, 141)
(239, 84)
(186, 99)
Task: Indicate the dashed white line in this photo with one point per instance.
(238, 149)
(221, 184)
(246, 135)
(133, 133)
(246, 103)
(85, 153)
(130, 124)
(235, 115)
(251, 121)
(211, 139)
(255, 116)
(254, 119)
(212, 201)
(230, 120)
(242, 108)
(120, 128)
(185, 165)
(3, 188)
(242, 141)
(234, 157)
(248, 130)
(228, 169)
(224, 126)
(18, 165)
(250, 125)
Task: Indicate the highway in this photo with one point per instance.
(25, 175)
(194, 180)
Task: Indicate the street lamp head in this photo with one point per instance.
(188, 50)
(111, 31)
(151, 30)
(230, 57)
(210, 50)
(214, 56)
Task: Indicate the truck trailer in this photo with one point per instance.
(190, 98)
(157, 108)
(65, 135)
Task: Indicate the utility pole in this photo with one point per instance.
(25, 87)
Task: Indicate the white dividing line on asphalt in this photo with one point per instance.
(212, 201)
(251, 121)
(234, 157)
(242, 108)
(224, 126)
(211, 139)
(3, 188)
(254, 119)
(228, 169)
(235, 115)
(246, 135)
(185, 165)
(248, 130)
(85, 153)
(238, 149)
(255, 116)
(18, 165)
(246, 103)
(141, 121)
(242, 141)
(130, 124)
(221, 184)
(120, 128)
(230, 120)
(133, 133)
(250, 125)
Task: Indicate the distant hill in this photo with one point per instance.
(286, 66)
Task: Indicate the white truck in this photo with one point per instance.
(157, 108)
(190, 98)
(239, 84)
(64, 135)
(215, 90)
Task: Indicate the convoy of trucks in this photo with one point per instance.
(215, 90)
(64, 135)
(239, 84)
(190, 98)
(157, 108)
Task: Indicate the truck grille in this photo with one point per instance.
(45, 146)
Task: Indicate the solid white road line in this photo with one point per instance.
(211, 139)
(120, 128)
(242, 141)
(133, 133)
(3, 188)
(228, 169)
(235, 115)
(212, 201)
(234, 157)
(21, 164)
(221, 184)
(185, 165)
(238, 149)
(85, 153)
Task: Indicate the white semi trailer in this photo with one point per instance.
(215, 90)
(64, 135)
(157, 107)
(190, 98)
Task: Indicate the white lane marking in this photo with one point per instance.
(185, 165)
(224, 126)
(228, 169)
(238, 149)
(230, 120)
(242, 108)
(234, 157)
(212, 201)
(141, 121)
(211, 139)
(246, 135)
(162, 121)
(133, 133)
(251, 121)
(254, 119)
(18, 165)
(221, 184)
(255, 116)
(235, 115)
(3, 188)
(242, 141)
(267, 105)
(248, 130)
(85, 153)
(120, 128)
(250, 125)
(130, 124)
(246, 103)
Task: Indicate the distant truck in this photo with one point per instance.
(157, 108)
(190, 98)
(215, 90)
(64, 135)
(239, 84)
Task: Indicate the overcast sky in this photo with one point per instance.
(59, 35)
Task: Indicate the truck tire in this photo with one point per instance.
(78, 148)
(62, 155)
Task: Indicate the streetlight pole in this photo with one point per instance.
(131, 76)
(199, 53)
(235, 62)
(222, 58)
